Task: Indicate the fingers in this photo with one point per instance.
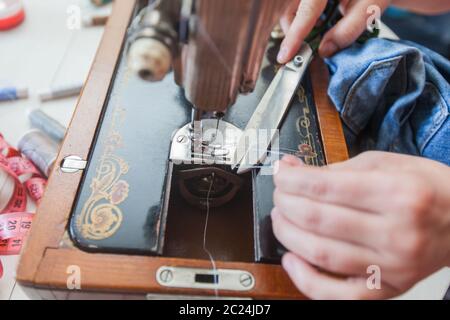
(329, 220)
(319, 285)
(374, 160)
(365, 161)
(289, 16)
(350, 27)
(328, 254)
(308, 13)
(354, 189)
(343, 34)
(292, 160)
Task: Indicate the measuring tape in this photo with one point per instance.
(12, 14)
(13, 228)
(18, 176)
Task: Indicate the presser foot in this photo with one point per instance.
(206, 142)
(203, 151)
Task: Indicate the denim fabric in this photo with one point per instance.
(393, 96)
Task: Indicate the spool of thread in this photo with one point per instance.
(12, 14)
(40, 149)
(60, 92)
(99, 3)
(6, 189)
(42, 121)
(95, 20)
(13, 93)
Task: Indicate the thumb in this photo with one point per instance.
(357, 15)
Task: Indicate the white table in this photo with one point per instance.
(44, 52)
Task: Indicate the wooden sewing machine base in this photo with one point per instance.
(125, 259)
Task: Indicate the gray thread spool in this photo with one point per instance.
(47, 124)
(40, 149)
(60, 92)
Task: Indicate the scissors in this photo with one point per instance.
(268, 115)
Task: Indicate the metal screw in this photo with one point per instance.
(166, 276)
(181, 139)
(298, 61)
(246, 280)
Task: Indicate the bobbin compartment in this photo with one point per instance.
(229, 226)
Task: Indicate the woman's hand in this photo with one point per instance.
(378, 211)
(301, 16)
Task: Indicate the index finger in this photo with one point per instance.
(362, 190)
(308, 13)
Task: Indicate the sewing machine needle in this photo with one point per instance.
(217, 127)
(269, 113)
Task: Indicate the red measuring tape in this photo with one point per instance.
(26, 178)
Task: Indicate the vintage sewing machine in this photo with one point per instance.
(135, 207)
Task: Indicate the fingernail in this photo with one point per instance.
(276, 167)
(287, 263)
(274, 213)
(292, 160)
(276, 163)
(328, 48)
(282, 54)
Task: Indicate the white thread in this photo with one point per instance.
(63, 58)
(213, 263)
(213, 47)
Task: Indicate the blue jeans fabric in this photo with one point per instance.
(393, 96)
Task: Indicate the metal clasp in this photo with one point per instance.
(72, 164)
(198, 278)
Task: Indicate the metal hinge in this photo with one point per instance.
(198, 278)
(72, 164)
